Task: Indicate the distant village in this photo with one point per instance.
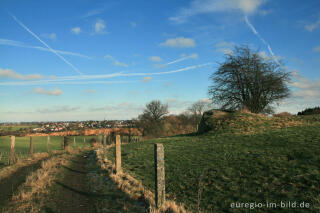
(46, 127)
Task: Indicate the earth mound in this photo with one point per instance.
(243, 122)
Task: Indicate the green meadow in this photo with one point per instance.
(22, 145)
(17, 127)
(209, 172)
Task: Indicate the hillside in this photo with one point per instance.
(244, 122)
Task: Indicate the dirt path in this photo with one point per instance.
(9, 185)
(83, 187)
(69, 193)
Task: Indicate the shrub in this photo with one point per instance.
(282, 114)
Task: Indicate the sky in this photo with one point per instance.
(95, 60)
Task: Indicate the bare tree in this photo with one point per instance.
(150, 121)
(197, 109)
(155, 110)
(248, 80)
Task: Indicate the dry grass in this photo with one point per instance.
(245, 122)
(28, 197)
(282, 114)
(9, 170)
(134, 188)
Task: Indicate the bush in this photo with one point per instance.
(310, 111)
(282, 114)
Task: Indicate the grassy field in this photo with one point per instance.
(22, 145)
(17, 127)
(209, 172)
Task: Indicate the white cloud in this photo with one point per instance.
(7, 73)
(47, 82)
(225, 47)
(76, 30)
(210, 6)
(179, 42)
(93, 13)
(264, 55)
(124, 107)
(116, 62)
(51, 36)
(89, 91)
(311, 27)
(146, 79)
(21, 44)
(316, 49)
(120, 64)
(100, 27)
(133, 24)
(305, 88)
(58, 109)
(194, 56)
(55, 92)
(206, 100)
(83, 79)
(265, 12)
(155, 58)
(177, 106)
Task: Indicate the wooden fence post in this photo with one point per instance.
(109, 141)
(62, 143)
(31, 146)
(84, 140)
(74, 140)
(66, 143)
(13, 158)
(160, 175)
(118, 154)
(48, 143)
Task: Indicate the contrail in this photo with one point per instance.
(69, 79)
(21, 44)
(183, 58)
(52, 50)
(179, 59)
(263, 41)
(32, 83)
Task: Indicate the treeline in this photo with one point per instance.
(155, 120)
(310, 111)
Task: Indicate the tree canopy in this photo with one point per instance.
(248, 80)
(155, 110)
(150, 121)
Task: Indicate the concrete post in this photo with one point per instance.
(13, 158)
(48, 143)
(100, 139)
(118, 154)
(31, 146)
(104, 140)
(74, 140)
(160, 175)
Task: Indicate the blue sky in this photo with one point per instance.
(95, 60)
